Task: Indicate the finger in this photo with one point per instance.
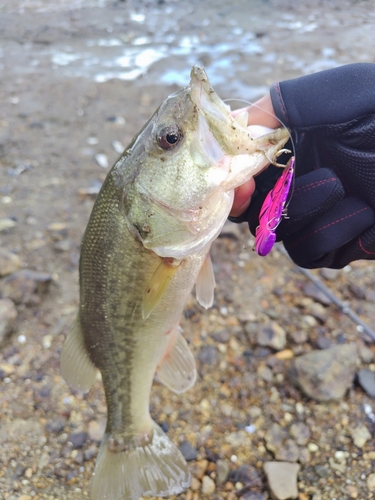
(313, 195)
(317, 244)
(362, 247)
(242, 198)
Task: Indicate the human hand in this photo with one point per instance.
(331, 214)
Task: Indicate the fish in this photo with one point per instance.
(146, 245)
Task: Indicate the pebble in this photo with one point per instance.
(6, 223)
(222, 471)
(360, 435)
(102, 160)
(311, 290)
(78, 439)
(90, 192)
(208, 356)
(322, 471)
(221, 336)
(188, 451)
(325, 375)
(282, 479)
(272, 335)
(8, 314)
(365, 353)
(208, 485)
(9, 262)
(245, 474)
(300, 433)
(278, 441)
(96, 430)
(24, 286)
(370, 483)
(57, 230)
(254, 495)
(299, 337)
(118, 147)
(366, 379)
(329, 274)
(265, 373)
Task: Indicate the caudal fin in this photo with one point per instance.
(156, 469)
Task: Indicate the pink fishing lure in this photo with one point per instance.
(272, 211)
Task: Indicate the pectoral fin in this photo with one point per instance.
(158, 286)
(177, 370)
(205, 284)
(76, 366)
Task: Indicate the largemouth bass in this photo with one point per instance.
(146, 244)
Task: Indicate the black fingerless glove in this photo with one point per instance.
(331, 212)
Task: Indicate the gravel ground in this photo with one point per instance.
(63, 119)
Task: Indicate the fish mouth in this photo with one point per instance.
(205, 97)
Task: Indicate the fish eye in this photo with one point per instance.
(169, 137)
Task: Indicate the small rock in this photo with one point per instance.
(265, 373)
(338, 464)
(208, 485)
(366, 379)
(222, 471)
(323, 342)
(118, 147)
(56, 425)
(96, 430)
(90, 452)
(245, 474)
(272, 335)
(327, 374)
(236, 439)
(78, 439)
(370, 483)
(195, 484)
(8, 314)
(9, 262)
(6, 223)
(329, 274)
(299, 337)
(222, 336)
(304, 456)
(300, 433)
(208, 356)
(358, 291)
(365, 353)
(284, 355)
(188, 451)
(25, 285)
(319, 312)
(57, 230)
(278, 441)
(102, 160)
(63, 245)
(198, 469)
(311, 290)
(282, 479)
(90, 192)
(360, 435)
(322, 471)
(253, 495)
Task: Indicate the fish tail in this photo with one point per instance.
(155, 468)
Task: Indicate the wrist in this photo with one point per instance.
(262, 113)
